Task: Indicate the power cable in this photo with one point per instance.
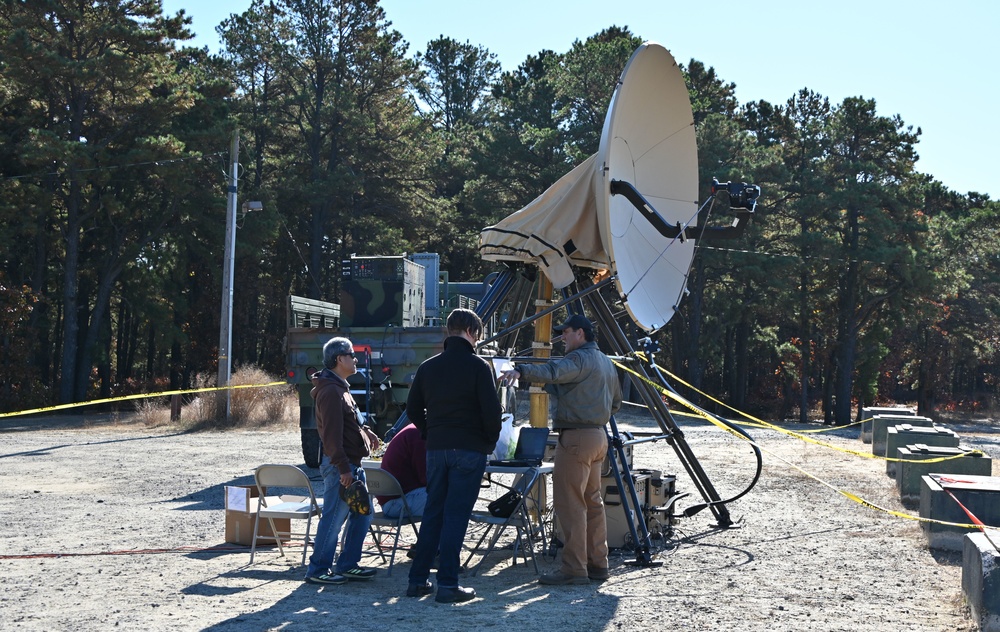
(158, 163)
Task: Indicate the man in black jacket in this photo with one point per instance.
(453, 402)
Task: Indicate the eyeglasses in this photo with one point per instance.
(349, 355)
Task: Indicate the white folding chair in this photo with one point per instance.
(382, 483)
(519, 519)
(302, 507)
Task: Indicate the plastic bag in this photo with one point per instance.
(507, 442)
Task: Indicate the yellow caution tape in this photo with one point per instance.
(698, 412)
(799, 434)
(137, 396)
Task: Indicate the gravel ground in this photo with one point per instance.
(122, 526)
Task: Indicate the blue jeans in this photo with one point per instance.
(335, 513)
(416, 501)
(453, 479)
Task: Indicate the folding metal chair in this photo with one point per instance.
(519, 519)
(302, 507)
(382, 483)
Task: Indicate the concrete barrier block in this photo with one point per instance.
(979, 494)
(870, 411)
(981, 580)
(915, 465)
(907, 434)
(881, 424)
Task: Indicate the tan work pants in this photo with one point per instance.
(576, 498)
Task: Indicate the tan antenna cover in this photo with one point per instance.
(557, 230)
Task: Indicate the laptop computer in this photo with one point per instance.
(529, 450)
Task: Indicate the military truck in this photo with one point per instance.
(390, 307)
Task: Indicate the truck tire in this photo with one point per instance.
(311, 447)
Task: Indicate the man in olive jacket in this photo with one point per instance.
(453, 402)
(588, 392)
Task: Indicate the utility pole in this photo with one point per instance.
(226, 320)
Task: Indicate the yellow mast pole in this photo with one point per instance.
(538, 399)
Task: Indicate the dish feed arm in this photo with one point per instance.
(742, 196)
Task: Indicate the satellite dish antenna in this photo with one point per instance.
(648, 145)
(631, 208)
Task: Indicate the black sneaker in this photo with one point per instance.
(327, 579)
(359, 573)
(420, 590)
(457, 594)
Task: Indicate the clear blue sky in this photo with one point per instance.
(933, 62)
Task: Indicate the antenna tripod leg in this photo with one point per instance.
(630, 501)
(614, 335)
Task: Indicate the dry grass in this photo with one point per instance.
(272, 406)
(202, 408)
(151, 413)
(251, 407)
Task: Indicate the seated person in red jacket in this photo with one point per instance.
(406, 458)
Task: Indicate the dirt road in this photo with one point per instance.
(118, 526)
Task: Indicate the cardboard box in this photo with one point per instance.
(241, 511)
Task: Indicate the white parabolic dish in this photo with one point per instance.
(649, 141)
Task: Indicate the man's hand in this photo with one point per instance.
(346, 479)
(509, 377)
